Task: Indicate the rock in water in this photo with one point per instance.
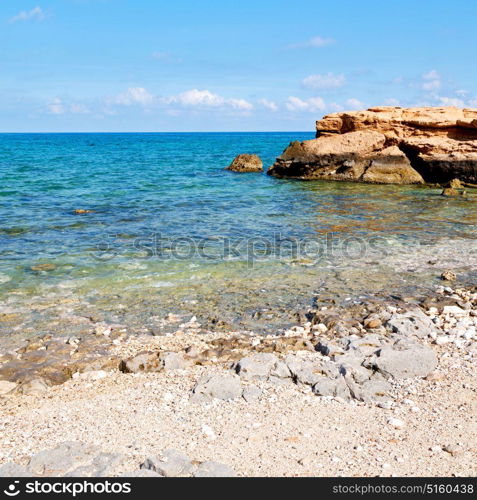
(388, 145)
(246, 163)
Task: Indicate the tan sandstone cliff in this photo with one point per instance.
(387, 145)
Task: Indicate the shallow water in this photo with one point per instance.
(171, 231)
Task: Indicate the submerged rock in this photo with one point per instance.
(448, 276)
(246, 163)
(387, 145)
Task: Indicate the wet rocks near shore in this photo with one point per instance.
(246, 163)
(348, 353)
(387, 145)
(372, 360)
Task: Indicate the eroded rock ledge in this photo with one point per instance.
(387, 145)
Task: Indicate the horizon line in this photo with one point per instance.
(171, 132)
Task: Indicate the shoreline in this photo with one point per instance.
(343, 433)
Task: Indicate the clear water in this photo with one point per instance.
(171, 231)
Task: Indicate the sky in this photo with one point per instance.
(210, 65)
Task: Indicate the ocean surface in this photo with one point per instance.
(168, 230)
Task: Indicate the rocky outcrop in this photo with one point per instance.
(387, 145)
(246, 163)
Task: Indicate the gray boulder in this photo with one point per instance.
(11, 469)
(404, 360)
(171, 463)
(221, 386)
(412, 323)
(214, 469)
(257, 366)
(310, 372)
(251, 393)
(370, 391)
(103, 465)
(332, 387)
(141, 473)
(62, 459)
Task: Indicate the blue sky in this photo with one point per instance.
(152, 65)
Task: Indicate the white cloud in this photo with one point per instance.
(312, 104)
(56, 107)
(431, 75)
(391, 102)
(240, 104)
(79, 109)
(473, 103)
(195, 98)
(270, 105)
(135, 95)
(35, 14)
(451, 101)
(334, 106)
(432, 80)
(316, 41)
(462, 93)
(354, 103)
(431, 85)
(326, 81)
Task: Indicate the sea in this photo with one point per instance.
(128, 228)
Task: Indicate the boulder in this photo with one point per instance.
(171, 463)
(214, 469)
(246, 163)
(103, 465)
(220, 386)
(412, 323)
(311, 372)
(387, 145)
(11, 469)
(332, 387)
(63, 459)
(257, 366)
(251, 393)
(155, 362)
(404, 360)
(141, 473)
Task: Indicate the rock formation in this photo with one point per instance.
(246, 163)
(387, 145)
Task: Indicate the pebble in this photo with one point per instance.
(396, 423)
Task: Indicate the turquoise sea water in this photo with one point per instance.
(171, 231)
